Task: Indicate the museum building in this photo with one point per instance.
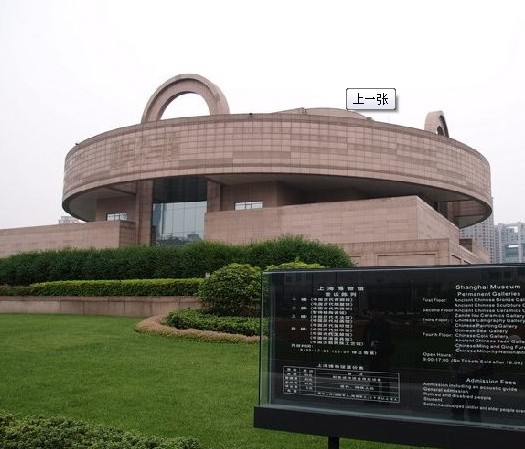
(387, 194)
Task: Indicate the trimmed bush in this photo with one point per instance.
(201, 258)
(126, 287)
(63, 433)
(292, 247)
(141, 262)
(232, 290)
(195, 319)
(295, 265)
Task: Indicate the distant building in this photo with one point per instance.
(68, 219)
(483, 234)
(505, 242)
(510, 242)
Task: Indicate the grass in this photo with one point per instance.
(99, 370)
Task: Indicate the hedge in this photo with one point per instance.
(295, 265)
(195, 319)
(142, 262)
(63, 433)
(126, 287)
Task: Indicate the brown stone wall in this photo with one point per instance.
(431, 224)
(226, 146)
(135, 306)
(271, 193)
(412, 253)
(381, 232)
(404, 218)
(103, 234)
(115, 205)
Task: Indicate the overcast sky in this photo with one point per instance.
(72, 69)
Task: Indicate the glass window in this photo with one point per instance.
(245, 205)
(115, 216)
(178, 210)
(179, 223)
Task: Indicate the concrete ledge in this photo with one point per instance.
(136, 306)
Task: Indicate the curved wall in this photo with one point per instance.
(233, 148)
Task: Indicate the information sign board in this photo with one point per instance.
(436, 346)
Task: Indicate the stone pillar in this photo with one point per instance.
(213, 198)
(143, 210)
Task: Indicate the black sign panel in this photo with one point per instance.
(432, 345)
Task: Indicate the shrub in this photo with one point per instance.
(63, 433)
(232, 290)
(8, 290)
(195, 319)
(295, 265)
(292, 247)
(200, 258)
(126, 287)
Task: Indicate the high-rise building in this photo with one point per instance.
(505, 242)
(510, 242)
(482, 234)
(68, 219)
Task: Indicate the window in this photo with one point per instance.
(123, 216)
(179, 223)
(179, 206)
(245, 205)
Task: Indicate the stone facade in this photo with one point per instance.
(387, 194)
(135, 306)
(100, 234)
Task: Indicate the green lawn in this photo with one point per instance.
(99, 370)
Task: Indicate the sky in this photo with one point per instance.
(73, 69)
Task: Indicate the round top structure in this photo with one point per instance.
(317, 153)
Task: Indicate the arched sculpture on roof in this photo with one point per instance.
(185, 84)
(435, 123)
